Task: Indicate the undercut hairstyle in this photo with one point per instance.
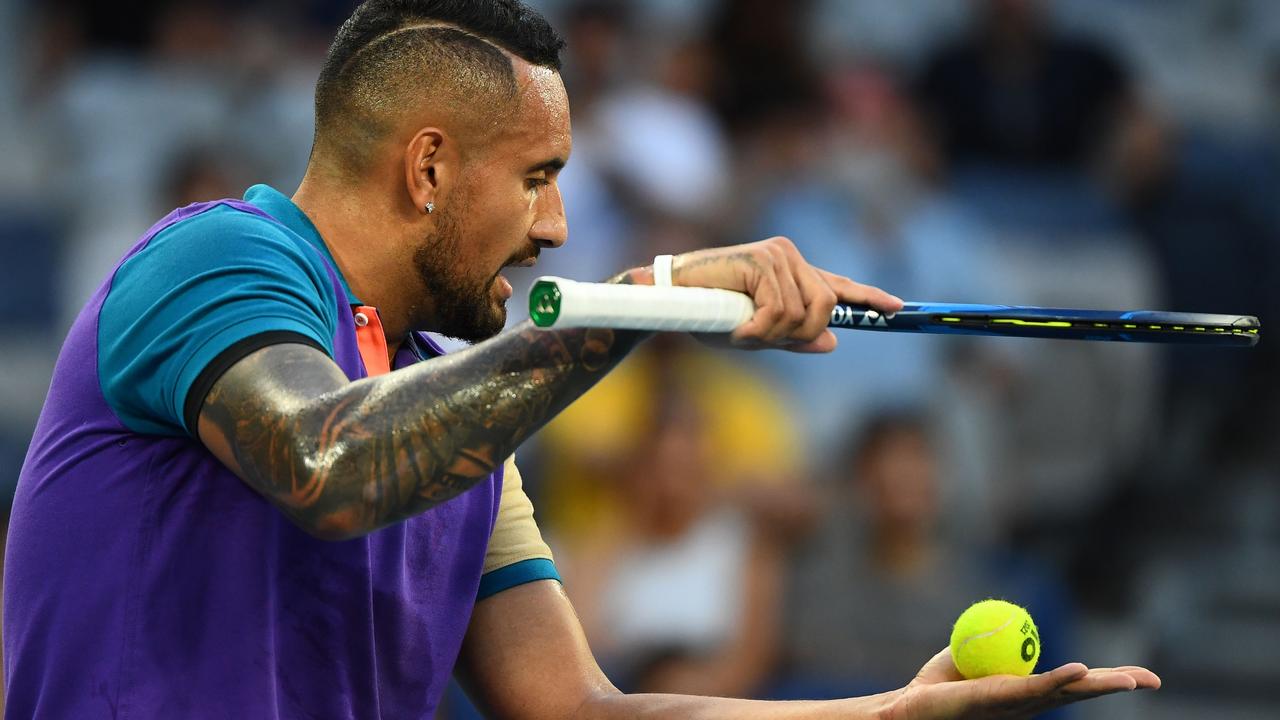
(392, 57)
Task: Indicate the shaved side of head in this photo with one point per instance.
(395, 62)
(424, 70)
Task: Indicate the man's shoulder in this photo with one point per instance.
(219, 236)
(209, 279)
(226, 225)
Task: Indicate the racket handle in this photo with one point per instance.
(559, 303)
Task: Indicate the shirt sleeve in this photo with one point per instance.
(222, 282)
(517, 554)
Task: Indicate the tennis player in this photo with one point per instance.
(256, 490)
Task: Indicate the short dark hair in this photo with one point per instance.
(390, 51)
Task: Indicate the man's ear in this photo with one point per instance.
(430, 168)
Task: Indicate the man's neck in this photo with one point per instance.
(350, 223)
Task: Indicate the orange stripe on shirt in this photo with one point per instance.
(372, 341)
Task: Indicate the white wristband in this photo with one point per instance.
(662, 270)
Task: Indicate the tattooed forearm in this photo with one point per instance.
(365, 454)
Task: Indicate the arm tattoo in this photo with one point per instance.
(739, 258)
(347, 458)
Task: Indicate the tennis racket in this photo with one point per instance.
(559, 303)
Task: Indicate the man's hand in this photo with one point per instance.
(793, 298)
(940, 692)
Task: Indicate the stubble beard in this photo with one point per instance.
(465, 307)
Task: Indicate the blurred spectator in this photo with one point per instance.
(1014, 91)
(873, 596)
(1202, 63)
(749, 432)
(124, 26)
(874, 593)
(596, 33)
(682, 594)
(667, 492)
(1212, 217)
(762, 61)
(897, 31)
(850, 182)
(648, 130)
(1028, 119)
(34, 252)
(193, 30)
(686, 172)
(201, 173)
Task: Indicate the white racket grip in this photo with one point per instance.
(559, 303)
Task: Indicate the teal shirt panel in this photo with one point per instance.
(281, 207)
(195, 290)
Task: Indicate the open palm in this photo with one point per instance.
(939, 691)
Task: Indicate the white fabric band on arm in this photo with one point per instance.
(662, 270)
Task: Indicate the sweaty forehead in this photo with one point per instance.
(541, 121)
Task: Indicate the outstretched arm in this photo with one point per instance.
(342, 458)
(525, 657)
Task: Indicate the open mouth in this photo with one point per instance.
(504, 285)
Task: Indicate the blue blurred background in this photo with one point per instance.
(775, 526)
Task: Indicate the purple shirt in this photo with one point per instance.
(145, 580)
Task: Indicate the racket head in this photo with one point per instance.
(1148, 326)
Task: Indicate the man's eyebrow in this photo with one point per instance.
(551, 165)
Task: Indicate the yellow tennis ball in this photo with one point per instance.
(994, 637)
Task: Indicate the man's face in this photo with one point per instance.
(505, 209)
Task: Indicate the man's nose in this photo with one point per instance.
(550, 228)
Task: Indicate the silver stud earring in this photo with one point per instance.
(430, 207)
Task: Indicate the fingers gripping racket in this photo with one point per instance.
(559, 303)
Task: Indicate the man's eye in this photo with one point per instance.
(535, 183)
